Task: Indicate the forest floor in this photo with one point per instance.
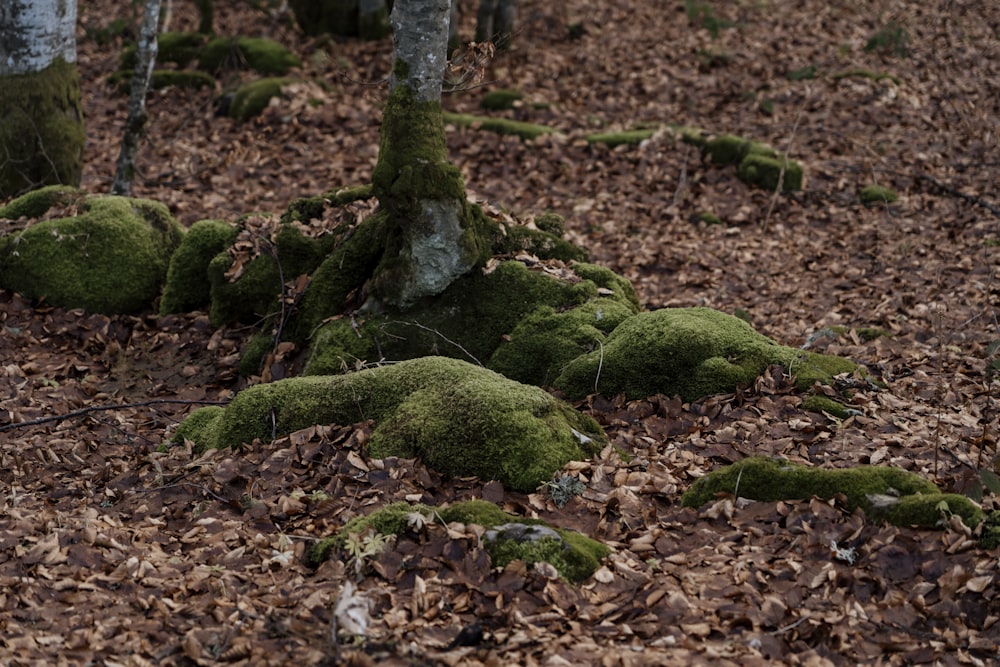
(113, 552)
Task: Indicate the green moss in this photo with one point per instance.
(181, 48)
(199, 425)
(574, 555)
(709, 218)
(41, 129)
(727, 148)
(690, 352)
(551, 223)
(499, 125)
(898, 496)
(538, 243)
(876, 194)
(111, 258)
(36, 203)
(458, 418)
(817, 403)
(252, 98)
(628, 137)
(804, 74)
(989, 537)
(256, 350)
(254, 296)
(500, 100)
(766, 172)
(166, 78)
(522, 323)
(866, 74)
(262, 55)
(891, 39)
(188, 286)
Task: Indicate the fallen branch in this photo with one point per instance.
(104, 408)
(972, 199)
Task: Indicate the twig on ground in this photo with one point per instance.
(104, 408)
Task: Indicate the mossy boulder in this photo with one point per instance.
(898, 496)
(508, 538)
(164, 78)
(769, 172)
(460, 419)
(110, 257)
(500, 100)
(180, 48)
(41, 129)
(188, 286)
(689, 352)
(254, 295)
(251, 98)
(526, 324)
(260, 54)
(36, 203)
(623, 138)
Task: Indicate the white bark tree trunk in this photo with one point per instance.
(135, 124)
(421, 191)
(33, 33)
(41, 117)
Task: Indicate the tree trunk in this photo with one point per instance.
(431, 238)
(41, 118)
(135, 124)
(495, 22)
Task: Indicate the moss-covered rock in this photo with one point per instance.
(36, 203)
(817, 403)
(252, 98)
(111, 257)
(180, 48)
(260, 54)
(164, 78)
(254, 296)
(188, 286)
(460, 419)
(41, 129)
(625, 137)
(876, 194)
(768, 172)
(690, 352)
(895, 495)
(525, 324)
(508, 537)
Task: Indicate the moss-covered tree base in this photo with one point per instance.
(460, 419)
(898, 496)
(509, 537)
(41, 129)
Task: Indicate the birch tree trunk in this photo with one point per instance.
(431, 235)
(135, 124)
(41, 118)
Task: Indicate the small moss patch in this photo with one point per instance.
(509, 537)
(895, 495)
(252, 98)
(499, 125)
(257, 53)
(500, 100)
(876, 194)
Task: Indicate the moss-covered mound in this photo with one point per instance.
(111, 257)
(257, 53)
(510, 537)
(252, 98)
(526, 324)
(898, 496)
(459, 418)
(188, 286)
(690, 352)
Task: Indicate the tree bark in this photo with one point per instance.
(135, 124)
(41, 118)
(495, 22)
(432, 240)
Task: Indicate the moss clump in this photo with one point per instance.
(525, 324)
(898, 496)
(458, 418)
(500, 125)
(111, 258)
(876, 194)
(188, 286)
(510, 537)
(164, 78)
(181, 48)
(254, 296)
(690, 352)
(36, 203)
(817, 403)
(500, 100)
(252, 98)
(41, 129)
(867, 74)
(627, 137)
(768, 172)
(262, 55)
